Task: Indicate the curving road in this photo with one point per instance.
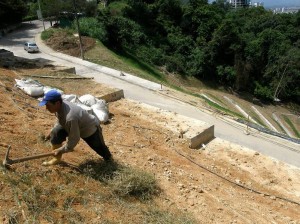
(148, 92)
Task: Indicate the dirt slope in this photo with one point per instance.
(212, 184)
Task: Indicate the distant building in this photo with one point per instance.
(286, 10)
(257, 4)
(239, 3)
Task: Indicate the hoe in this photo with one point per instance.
(7, 162)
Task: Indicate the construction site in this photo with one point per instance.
(201, 178)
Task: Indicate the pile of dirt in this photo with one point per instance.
(69, 44)
(225, 183)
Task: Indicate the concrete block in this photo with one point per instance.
(196, 140)
(71, 70)
(112, 96)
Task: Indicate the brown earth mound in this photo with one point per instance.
(69, 44)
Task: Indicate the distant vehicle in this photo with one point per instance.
(31, 47)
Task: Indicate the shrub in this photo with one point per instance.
(92, 28)
(46, 34)
(263, 92)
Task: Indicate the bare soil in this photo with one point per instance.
(63, 42)
(212, 184)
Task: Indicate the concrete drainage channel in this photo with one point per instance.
(272, 130)
(251, 122)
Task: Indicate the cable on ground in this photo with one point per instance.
(232, 182)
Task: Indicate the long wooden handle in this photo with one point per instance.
(19, 160)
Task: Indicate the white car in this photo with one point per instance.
(31, 47)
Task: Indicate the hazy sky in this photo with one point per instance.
(273, 3)
(270, 3)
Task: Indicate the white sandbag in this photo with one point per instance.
(48, 88)
(88, 100)
(100, 109)
(33, 90)
(69, 97)
(30, 87)
(101, 115)
(27, 83)
(100, 105)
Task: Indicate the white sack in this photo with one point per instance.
(30, 87)
(88, 100)
(33, 90)
(48, 88)
(27, 83)
(69, 97)
(100, 110)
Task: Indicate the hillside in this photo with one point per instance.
(282, 119)
(223, 183)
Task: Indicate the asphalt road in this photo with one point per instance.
(148, 92)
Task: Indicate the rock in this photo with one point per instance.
(238, 181)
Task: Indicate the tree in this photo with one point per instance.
(285, 74)
(12, 12)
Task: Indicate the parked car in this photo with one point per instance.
(31, 47)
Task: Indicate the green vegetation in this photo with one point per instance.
(12, 12)
(242, 49)
(290, 123)
(257, 118)
(45, 35)
(124, 181)
(220, 108)
(281, 128)
(249, 49)
(215, 98)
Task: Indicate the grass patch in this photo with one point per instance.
(292, 126)
(281, 128)
(136, 183)
(220, 108)
(257, 119)
(154, 216)
(105, 192)
(133, 61)
(123, 181)
(46, 34)
(124, 62)
(215, 98)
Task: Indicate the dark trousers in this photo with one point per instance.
(95, 141)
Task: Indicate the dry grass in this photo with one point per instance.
(124, 189)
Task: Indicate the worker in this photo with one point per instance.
(73, 123)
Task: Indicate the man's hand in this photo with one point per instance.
(59, 151)
(47, 137)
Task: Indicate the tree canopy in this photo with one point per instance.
(247, 49)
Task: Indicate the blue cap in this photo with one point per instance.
(52, 95)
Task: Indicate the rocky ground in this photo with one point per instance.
(223, 183)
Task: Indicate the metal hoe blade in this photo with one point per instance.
(8, 162)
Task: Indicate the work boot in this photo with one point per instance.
(56, 159)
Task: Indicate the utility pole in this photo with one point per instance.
(79, 35)
(41, 14)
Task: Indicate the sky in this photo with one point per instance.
(277, 3)
(272, 3)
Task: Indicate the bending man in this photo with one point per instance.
(73, 123)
